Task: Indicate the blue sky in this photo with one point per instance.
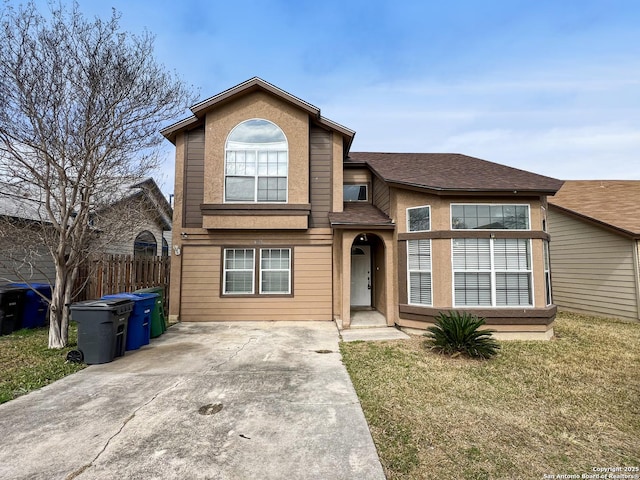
(547, 86)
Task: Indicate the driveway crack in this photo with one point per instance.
(82, 469)
(231, 357)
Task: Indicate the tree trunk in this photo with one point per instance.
(58, 316)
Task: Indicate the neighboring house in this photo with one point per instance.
(277, 220)
(595, 225)
(144, 236)
(149, 233)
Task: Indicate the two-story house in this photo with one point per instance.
(276, 219)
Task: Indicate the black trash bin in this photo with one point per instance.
(11, 304)
(102, 328)
(35, 308)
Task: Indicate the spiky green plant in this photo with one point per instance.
(458, 333)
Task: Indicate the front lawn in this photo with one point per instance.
(27, 364)
(562, 407)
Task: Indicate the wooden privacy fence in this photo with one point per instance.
(110, 274)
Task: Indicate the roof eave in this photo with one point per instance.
(249, 85)
(621, 231)
(171, 132)
(383, 226)
(467, 191)
(347, 133)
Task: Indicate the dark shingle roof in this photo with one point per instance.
(360, 214)
(613, 203)
(442, 172)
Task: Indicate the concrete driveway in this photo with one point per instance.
(264, 400)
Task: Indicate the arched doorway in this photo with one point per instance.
(368, 280)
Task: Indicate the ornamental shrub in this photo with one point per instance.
(457, 333)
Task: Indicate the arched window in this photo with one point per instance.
(256, 163)
(165, 247)
(145, 244)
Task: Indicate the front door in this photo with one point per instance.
(361, 276)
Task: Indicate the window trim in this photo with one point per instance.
(224, 271)
(409, 271)
(548, 286)
(256, 272)
(409, 223)
(492, 271)
(256, 176)
(288, 270)
(491, 205)
(144, 243)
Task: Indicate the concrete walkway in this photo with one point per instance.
(267, 400)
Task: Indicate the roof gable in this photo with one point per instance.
(443, 173)
(254, 84)
(611, 203)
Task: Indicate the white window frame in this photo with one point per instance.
(491, 205)
(288, 270)
(225, 270)
(256, 151)
(492, 271)
(548, 290)
(428, 207)
(421, 271)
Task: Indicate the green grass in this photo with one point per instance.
(27, 364)
(559, 407)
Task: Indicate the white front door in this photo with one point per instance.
(361, 276)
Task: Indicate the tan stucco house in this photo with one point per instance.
(595, 252)
(276, 219)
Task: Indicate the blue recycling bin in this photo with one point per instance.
(139, 325)
(35, 308)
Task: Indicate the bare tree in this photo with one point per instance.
(81, 104)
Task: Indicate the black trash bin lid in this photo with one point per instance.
(116, 305)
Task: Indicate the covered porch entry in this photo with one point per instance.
(366, 292)
(363, 251)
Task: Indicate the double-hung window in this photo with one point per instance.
(256, 163)
(492, 272)
(271, 266)
(419, 272)
(275, 270)
(239, 267)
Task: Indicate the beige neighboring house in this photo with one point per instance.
(276, 219)
(595, 248)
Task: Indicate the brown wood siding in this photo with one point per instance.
(194, 178)
(592, 268)
(321, 158)
(201, 299)
(381, 195)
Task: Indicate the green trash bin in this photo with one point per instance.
(158, 318)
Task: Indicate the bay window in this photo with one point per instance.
(419, 272)
(489, 217)
(492, 272)
(419, 219)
